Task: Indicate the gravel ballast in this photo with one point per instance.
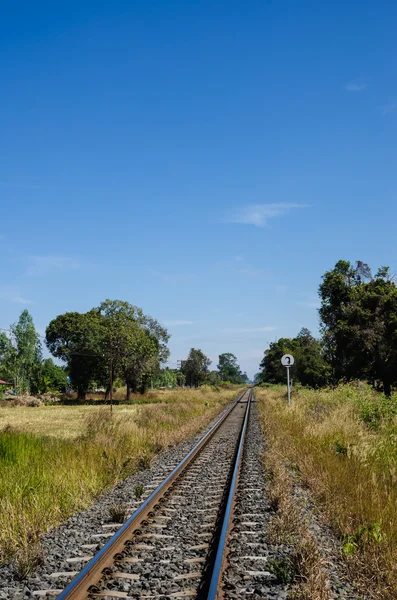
(250, 556)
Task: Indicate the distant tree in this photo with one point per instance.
(136, 344)
(229, 370)
(25, 357)
(114, 340)
(243, 378)
(214, 378)
(166, 378)
(195, 368)
(310, 367)
(53, 378)
(7, 358)
(272, 369)
(78, 340)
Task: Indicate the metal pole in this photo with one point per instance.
(111, 379)
(289, 389)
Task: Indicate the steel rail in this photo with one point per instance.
(215, 591)
(78, 588)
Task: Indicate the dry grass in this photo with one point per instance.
(311, 568)
(55, 460)
(65, 422)
(69, 421)
(344, 443)
(289, 526)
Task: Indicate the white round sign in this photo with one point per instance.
(287, 360)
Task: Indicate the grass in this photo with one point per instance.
(305, 568)
(56, 460)
(66, 422)
(343, 443)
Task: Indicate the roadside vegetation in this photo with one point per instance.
(342, 444)
(48, 475)
(358, 323)
(112, 347)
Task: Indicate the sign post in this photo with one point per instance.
(287, 361)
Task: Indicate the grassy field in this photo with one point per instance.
(54, 460)
(65, 422)
(343, 444)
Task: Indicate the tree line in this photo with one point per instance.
(114, 343)
(21, 360)
(358, 324)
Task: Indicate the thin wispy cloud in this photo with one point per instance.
(259, 214)
(20, 300)
(388, 109)
(176, 323)
(10, 294)
(357, 85)
(41, 265)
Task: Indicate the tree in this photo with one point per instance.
(24, 360)
(195, 368)
(214, 378)
(167, 378)
(244, 378)
(78, 340)
(229, 370)
(7, 358)
(310, 367)
(359, 323)
(135, 343)
(113, 340)
(53, 378)
(337, 293)
(272, 369)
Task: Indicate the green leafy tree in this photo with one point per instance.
(229, 370)
(272, 369)
(24, 359)
(359, 323)
(196, 367)
(7, 358)
(166, 378)
(53, 378)
(78, 340)
(114, 340)
(310, 367)
(337, 293)
(214, 378)
(135, 343)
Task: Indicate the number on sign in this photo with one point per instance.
(287, 360)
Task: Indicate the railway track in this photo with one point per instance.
(175, 545)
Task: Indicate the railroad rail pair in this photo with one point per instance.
(85, 584)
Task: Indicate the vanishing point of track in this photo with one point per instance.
(175, 544)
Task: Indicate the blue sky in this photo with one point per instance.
(207, 161)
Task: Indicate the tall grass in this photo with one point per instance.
(344, 444)
(45, 479)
